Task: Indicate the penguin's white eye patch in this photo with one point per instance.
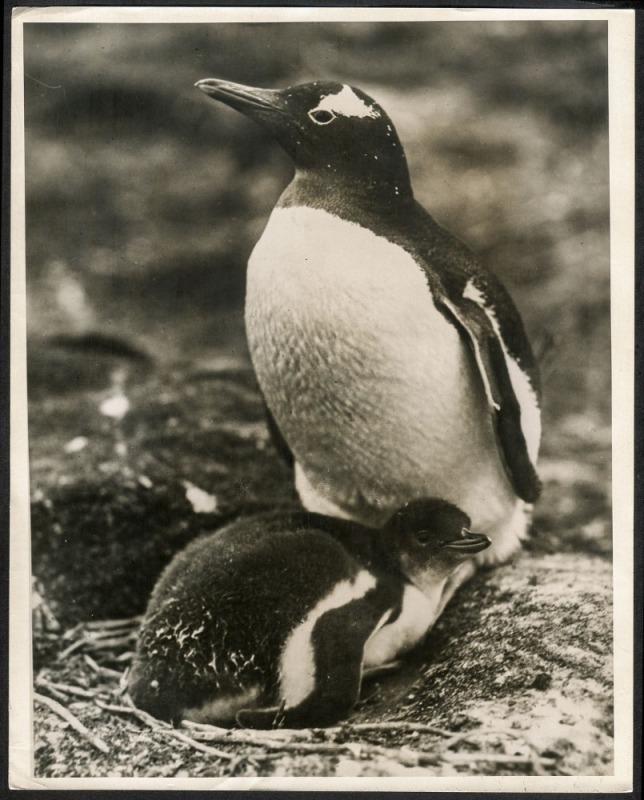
(321, 116)
(345, 103)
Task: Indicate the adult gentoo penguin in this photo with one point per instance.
(274, 619)
(393, 364)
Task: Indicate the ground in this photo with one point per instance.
(145, 423)
(524, 650)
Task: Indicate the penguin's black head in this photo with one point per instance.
(331, 128)
(430, 537)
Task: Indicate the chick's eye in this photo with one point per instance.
(423, 537)
(322, 116)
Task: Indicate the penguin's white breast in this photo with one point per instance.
(360, 369)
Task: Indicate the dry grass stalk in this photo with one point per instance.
(105, 624)
(497, 758)
(471, 736)
(412, 758)
(41, 683)
(163, 728)
(397, 727)
(101, 670)
(76, 691)
(75, 723)
(275, 740)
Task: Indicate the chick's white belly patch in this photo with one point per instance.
(406, 631)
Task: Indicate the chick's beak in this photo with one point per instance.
(468, 543)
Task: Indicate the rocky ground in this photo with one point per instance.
(516, 675)
(145, 424)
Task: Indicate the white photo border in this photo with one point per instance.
(621, 58)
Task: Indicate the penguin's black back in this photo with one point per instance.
(457, 265)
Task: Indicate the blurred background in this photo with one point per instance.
(144, 198)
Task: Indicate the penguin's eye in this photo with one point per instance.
(321, 116)
(423, 537)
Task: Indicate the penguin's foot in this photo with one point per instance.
(313, 500)
(318, 711)
(507, 536)
(350, 503)
(261, 718)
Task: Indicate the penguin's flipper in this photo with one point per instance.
(505, 409)
(338, 641)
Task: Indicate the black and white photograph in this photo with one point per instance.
(322, 466)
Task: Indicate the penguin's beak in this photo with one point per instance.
(468, 544)
(258, 104)
(267, 107)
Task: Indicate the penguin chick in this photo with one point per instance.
(271, 620)
(428, 539)
(393, 365)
